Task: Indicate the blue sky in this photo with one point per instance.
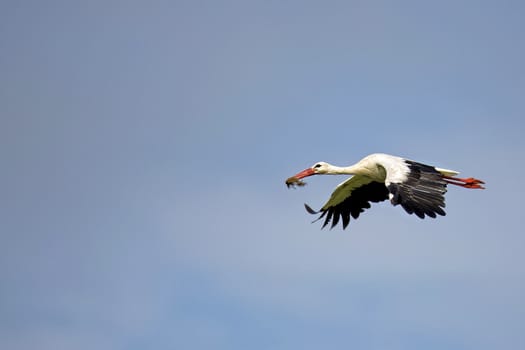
(144, 148)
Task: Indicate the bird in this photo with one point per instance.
(419, 188)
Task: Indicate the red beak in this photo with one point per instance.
(305, 173)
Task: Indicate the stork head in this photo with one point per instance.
(320, 168)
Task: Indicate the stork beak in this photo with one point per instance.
(304, 173)
(295, 180)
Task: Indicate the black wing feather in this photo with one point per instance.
(422, 193)
(353, 205)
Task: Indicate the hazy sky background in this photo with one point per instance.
(144, 148)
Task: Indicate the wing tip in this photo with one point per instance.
(310, 210)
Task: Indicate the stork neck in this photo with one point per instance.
(345, 170)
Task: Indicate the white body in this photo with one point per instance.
(380, 167)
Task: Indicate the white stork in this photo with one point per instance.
(419, 188)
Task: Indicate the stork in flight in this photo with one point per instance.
(419, 188)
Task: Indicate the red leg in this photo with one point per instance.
(467, 183)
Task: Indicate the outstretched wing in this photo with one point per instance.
(350, 198)
(421, 192)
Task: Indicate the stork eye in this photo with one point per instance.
(317, 166)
